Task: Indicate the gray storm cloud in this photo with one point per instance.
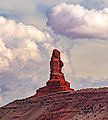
(75, 21)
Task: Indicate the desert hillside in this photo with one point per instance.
(86, 104)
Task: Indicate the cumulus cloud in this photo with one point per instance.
(75, 21)
(22, 59)
(18, 41)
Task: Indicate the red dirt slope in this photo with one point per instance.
(88, 104)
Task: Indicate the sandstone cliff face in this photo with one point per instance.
(88, 104)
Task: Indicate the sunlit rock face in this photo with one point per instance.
(57, 80)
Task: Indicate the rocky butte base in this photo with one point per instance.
(88, 104)
(57, 80)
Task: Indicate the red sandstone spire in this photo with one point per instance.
(57, 80)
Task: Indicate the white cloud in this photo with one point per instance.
(33, 11)
(19, 42)
(78, 22)
(23, 59)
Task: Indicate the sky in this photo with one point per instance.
(31, 29)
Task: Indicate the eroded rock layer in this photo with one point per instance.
(88, 104)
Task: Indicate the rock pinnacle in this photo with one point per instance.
(57, 80)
